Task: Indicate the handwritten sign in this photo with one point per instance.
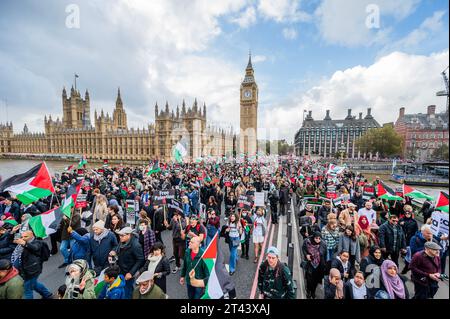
(259, 199)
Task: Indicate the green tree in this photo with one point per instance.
(384, 140)
(441, 153)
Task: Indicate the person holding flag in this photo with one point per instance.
(194, 272)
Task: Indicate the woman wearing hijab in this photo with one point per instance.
(315, 254)
(366, 238)
(374, 258)
(391, 282)
(333, 285)
(79, 281)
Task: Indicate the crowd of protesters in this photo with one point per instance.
(352, 248)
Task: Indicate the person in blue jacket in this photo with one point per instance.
(101, 243)
(418, 241)
(80, 248)
(114, 287)
(194, 197)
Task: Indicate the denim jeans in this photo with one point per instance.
(33, 284)
(330, 253)
(233, 256)
(194, 292)
(129, 286)
(65, 245)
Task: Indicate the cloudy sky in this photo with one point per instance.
(308, 55)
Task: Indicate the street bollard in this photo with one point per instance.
(288, 218)
(289, 236)
(291, 257)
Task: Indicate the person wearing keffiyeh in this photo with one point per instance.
(314, 252)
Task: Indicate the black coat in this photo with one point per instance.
(31, 261)
(100, 251)
(336, 263)
(158, 220)
(358, 201)
(6, 246)
(131, 256)
(410, 227)
(386, 238)
(14, 210)
(163, 267)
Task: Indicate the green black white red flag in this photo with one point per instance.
(442, 202)
(31, 185)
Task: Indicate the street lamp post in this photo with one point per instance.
(341, 153)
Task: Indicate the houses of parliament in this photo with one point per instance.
(109, 136)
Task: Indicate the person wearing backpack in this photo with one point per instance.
(34, 253)
(274, 278)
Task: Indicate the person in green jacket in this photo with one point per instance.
(146, 288)
(194, 271)
(11, 284)
(80, 281)
(274, 278)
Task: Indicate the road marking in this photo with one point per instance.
(261, 256)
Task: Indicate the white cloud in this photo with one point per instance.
(246, 19)
(290, 33)
(258, 58)
(344, 22)
(283, 11)
(394, 81)
(427, 28)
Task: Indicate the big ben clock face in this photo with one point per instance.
(247, 94)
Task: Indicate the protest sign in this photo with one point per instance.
(439, 223)
(244, 202)
(259, 199)
(163, 197)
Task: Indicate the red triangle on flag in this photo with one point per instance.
(43, 179)
(442, 200)
(381, 190)
(211, 251)
(407, 189)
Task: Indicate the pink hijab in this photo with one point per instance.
(394, 285)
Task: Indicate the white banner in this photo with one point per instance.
(259, 199)
(439, 223)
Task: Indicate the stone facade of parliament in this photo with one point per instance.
(110, 138)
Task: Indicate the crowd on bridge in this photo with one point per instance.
(113, 246)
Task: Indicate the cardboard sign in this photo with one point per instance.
(81, 201)
(259, 199)
(163, 197)
(439, 223)
(244, 202)
(131, 212)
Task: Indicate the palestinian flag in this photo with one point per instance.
(11, 221)
(83, 161)
(30, 186)
(442, 202)
(385, 192)
(414, 193)
(154, 169)
(69, 168)
(71, 198)
(124, 192)
(219, 282)
(47, 223)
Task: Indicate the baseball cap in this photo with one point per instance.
(125, 231)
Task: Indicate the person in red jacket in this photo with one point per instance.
(425, 271)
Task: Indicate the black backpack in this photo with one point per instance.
(45, 251)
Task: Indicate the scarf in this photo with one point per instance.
(358, 292)
(16, 257)
(394, 285)
(147, 242)
(154, 261)
(344, 265)
(100, 237)
(314, 250)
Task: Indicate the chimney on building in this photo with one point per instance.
(360, 115)
(369, 114)
(327, 117)
(402, 112)
(431, 109)
(349, 114)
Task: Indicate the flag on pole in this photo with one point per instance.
(31, 185)
(83, 161)
(442, 202)
(179, 151)
(414, 193)
(155, 168)
(219, 282)
(385, 192)
(71, 198)
(47, 223)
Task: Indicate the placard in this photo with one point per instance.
(439, 223)
(368, 192)
(259, 199)
(331, 195)
(81, 201)
(131, 212)
(244, 202)
(175, 206)
(163, 197)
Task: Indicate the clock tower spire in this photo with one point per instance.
(248, 111)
